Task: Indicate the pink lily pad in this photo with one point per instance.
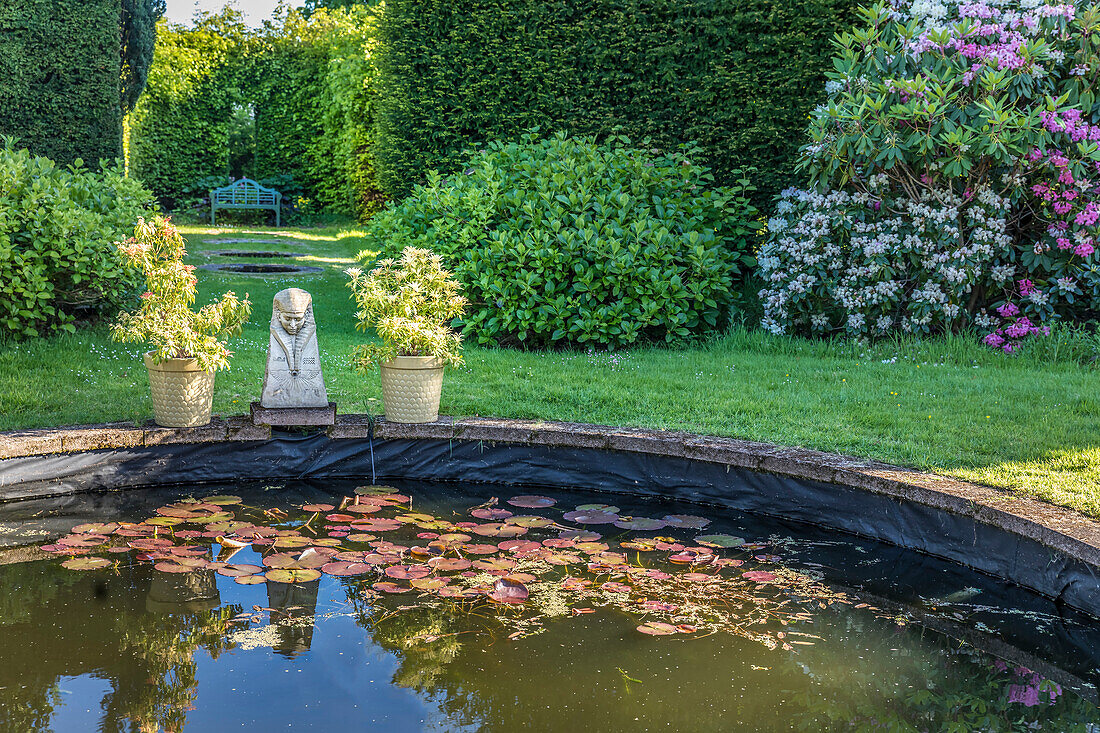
(449, 564)
(758, 576)
(85, 563)
(346, 568)
(657, 628)
(685, 521)
(408, 572)
(491, 513)
(590, 517)
(532, 502)
(508, 590)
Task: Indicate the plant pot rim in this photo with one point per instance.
(190, 364)
(413, 362)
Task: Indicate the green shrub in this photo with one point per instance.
(562, 241)
(59, 91)
(58, 228)
(736, 77)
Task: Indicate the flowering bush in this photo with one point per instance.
(410, 302)
(165, 319)
(956, 176)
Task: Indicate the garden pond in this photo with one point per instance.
(448, 607)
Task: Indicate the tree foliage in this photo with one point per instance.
(139, 32)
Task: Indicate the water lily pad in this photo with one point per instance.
(292, 575)
(250, 579)
(529, 522)
(172, 566)
(429, 584)
(613, 587)
(758, 576)
(590, 517)
(497, 529)
(376, 490)
(640, 524)
(519, 546)
(561, 558)
(449, 564)
(591, 548)
(239, 570)
(494, 563)
(363, 508)
(82, 540)
(346, 568)
(281, 560)
(222, 500)
(532, 501)
(86, 563)
(318, 508)
(657, 628)
(288, 543)
(95, 528)
(164, 521)
(508, 590)
(387, 587)
(698, 577)
(659, 606)
(150, 543)
(376, 525)
(189, 551)
(479, 549)
(408, 572)
(453, 538)
(720, 540)
(685, 521)
(490, 513)
(360, 537)
(606, 508)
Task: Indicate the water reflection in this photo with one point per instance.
(196, 648)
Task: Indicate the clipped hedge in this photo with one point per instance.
(58, 229)
(301, 89)
(179, 130)
(562, 241)
(59, 91)
(738, 78)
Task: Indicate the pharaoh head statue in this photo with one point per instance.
(290, 309)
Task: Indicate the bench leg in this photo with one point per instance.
(277, 224)
(213, 216)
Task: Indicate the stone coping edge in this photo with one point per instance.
(1069, 532)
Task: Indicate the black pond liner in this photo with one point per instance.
(262, 269)
(254, 253)
(1048, 632)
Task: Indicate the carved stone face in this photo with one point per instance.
(292, 321)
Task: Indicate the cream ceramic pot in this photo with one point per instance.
(182, 393)
(411, 386)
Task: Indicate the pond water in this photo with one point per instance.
(436, 607)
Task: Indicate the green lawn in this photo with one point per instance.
(947, 405)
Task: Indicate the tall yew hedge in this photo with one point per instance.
(59, 86)
(179, 130)
(737, 76)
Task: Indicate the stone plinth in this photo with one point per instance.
(293, 416)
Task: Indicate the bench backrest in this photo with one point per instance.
(245, 192)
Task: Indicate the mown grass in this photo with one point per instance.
(1028, 423)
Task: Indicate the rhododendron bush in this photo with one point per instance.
(955, 177)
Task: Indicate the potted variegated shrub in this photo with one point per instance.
(410, 303)
(188, 346)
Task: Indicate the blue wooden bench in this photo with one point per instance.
(244, 194)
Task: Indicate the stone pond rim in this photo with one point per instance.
(924, 511)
